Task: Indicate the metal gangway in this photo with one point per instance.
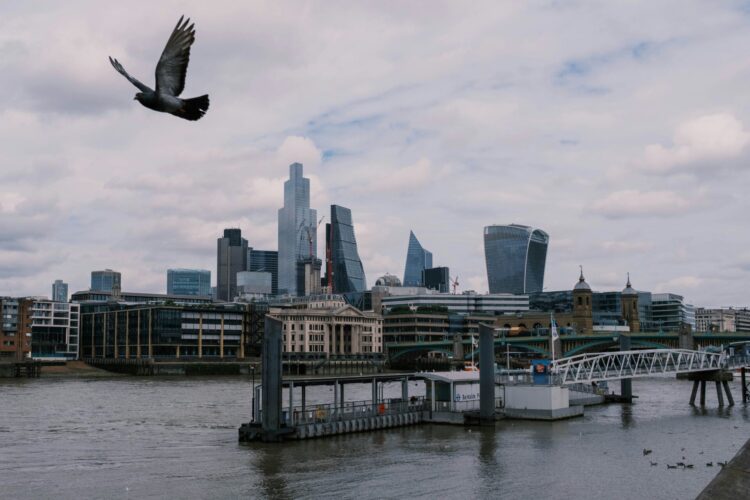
(587, 368)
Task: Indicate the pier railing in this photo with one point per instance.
(349, 410)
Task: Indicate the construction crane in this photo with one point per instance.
(310, 233)
(454, 283)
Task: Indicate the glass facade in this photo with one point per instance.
(437, 278)
(348, 272)
(297, 230)
(417, 260)
(515, 256)
(59, 291)
(189, 282)
(670, 312)
(231, 258)
(266, 261)
(105, 281)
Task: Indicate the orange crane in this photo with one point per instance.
(454, 284)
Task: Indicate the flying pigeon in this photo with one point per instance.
(170, 77)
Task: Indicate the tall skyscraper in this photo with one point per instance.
(266, 261)
(106, 281)
(417, 260)
(297, 229)
(59, 291)
(515, 257)
(231, 258)
(189, 282)
(343, 266)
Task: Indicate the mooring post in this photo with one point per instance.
(374, 396)
(695, 391)
(703, 393)
(405, 390)
(730, 399)
(486, 373)
(626, 384)
(341, 397)
(719, 394)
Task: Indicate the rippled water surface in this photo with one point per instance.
(177, 438)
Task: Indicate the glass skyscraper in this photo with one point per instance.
(189, 282)
(515, 257)
(266, 261)
(417, 260)
(105, 281)
(231, 258)
(59, 291)
(297, 229)
(348, 274)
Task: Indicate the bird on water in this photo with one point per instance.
(170, 77)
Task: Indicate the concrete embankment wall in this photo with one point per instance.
(733, 482)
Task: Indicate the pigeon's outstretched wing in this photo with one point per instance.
(173, 63)
(116, 64)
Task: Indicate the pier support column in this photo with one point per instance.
(271, 380)
(695, 391)
(405, 389)
(374, 396)
(341, 397)
(719, 395)
(304, 408)
(291, 404)
(626, 384)
(486, 373)
(730, 399)
(745, 391)
(703, 393)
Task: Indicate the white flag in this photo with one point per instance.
(553, 324)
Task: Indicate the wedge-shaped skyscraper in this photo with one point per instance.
(515, 256)
(346, 270)
(417, 260)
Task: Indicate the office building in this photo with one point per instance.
(671, 313)
(344, 270)
(189, 282)
(231, 258)
(15, 328)
(515, 256)
(139, 298)
(297, 230)
(725, 319)
(460, 304)
(137, 331)
(54, 329)
(266, 261)
(437, 278)
(254, 283)
(105, 281)
(59, 291)
(417, 260)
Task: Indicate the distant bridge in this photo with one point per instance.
(572, 345)
(587, 368)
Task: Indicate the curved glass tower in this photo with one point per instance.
(417, 260)
(348, 272)
(515, 257)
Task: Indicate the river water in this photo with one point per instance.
(177, 438)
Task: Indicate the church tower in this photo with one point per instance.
(629, 303)
(582, 306)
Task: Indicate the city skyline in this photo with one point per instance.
(626, 144)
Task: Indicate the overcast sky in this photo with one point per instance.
(620, 128)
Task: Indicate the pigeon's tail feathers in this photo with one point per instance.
(194, 109)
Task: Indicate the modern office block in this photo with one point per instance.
(297, 230)
(231, 258)
(266, 261)
(105, 281)
(437, 278)
(254, 283)
(417, 260)
(189, 282)
(60, 291)
(515, 256)
(343, 265)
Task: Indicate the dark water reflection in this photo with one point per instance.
(177, 438)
